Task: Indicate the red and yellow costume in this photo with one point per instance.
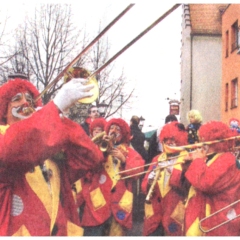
(215, 185)
(166, 203)
(105, 195)
(30, 205)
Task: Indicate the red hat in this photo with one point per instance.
(174, 130)
(10, 89)
(215, 130)
(125, 129)
(98, 122)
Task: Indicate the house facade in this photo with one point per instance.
(201, 60)
(230, 63)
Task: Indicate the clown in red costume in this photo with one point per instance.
(214, 180)
(41, 154)
(164, 211)
(108, 199)
(97, 127)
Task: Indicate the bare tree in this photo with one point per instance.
(5, 57)
(45, 44)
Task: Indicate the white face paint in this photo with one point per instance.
(25, 110)
(20, 107)
(115, 132)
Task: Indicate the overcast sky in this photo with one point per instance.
(152, 63)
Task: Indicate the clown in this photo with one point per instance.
(214, 182)
(164, 213)
(108, 200)
(35, 185)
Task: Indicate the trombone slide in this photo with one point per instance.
(215, 213)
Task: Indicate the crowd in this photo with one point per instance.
(59, 178)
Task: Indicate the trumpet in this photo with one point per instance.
(104, 146)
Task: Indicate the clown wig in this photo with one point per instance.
(125, 129)
(98, 122)
(174, 130)
(215, 130)
(10, 89)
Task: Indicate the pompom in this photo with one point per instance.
(174, 130)
(10, 89)
(98, 122)
(125, 129)
(216, 130)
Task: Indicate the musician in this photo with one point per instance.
(215, 184)
(96, 127)
(41, 154)
(164, 212)
(108, 200)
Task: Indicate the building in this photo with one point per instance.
(230, 63)
(201, 60)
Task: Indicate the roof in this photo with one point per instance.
(206, 18)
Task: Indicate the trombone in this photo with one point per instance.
(82, 52)
(104, 146)
(177, 149)
(215, 213)
(110, 60)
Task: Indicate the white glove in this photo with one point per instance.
(71, 92)
(151, 175)
(163, 164)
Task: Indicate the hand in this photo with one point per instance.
(117, 153)
(162, 164)
(198, 153)
(71, 92)
(151, 175)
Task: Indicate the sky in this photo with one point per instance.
(152, 64)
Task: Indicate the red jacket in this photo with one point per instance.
(105, 195)
(215, 185)
(167, 200)
(27, 205)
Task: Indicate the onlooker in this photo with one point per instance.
(194, 118)
(93, 113)
(138, 138)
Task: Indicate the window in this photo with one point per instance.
(234, 37)
(226, 96)
(234, 93)
(227, 42)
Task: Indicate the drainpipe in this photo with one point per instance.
(191, 62)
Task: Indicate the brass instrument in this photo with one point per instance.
(104, 146)
(78, 72)
(213, 214)
(197, 145)
(98, 138)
